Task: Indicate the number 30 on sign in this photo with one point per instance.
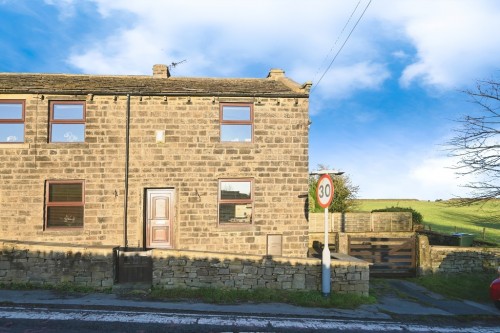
(324, 191)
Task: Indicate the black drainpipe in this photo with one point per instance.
(127, 144)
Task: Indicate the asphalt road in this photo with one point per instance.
(402, 307)
(29, 319)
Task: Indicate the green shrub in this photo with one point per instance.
(416, 217)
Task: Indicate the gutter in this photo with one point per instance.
(162, 94)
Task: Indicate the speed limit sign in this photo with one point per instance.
(324, 191)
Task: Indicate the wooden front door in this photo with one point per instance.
(159, 218)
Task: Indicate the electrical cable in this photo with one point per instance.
(336, 55)
(329, 52)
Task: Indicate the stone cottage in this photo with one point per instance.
(205, 164)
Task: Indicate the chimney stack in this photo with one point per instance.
(161, 71)
(276, 74)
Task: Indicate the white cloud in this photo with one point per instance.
(455, 41)
(383, 170)
(220, 37)
(12, 138)
(428, 180)
(342, 81)
(400, 54)
(437, 175)
(66, 7)
(434, 171)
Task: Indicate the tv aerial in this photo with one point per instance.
(175, 64)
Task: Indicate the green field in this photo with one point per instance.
(443, 217)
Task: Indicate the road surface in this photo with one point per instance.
(36, 319)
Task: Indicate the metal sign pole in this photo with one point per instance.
(324, 196)
(326, 262)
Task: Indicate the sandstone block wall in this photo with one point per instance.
(24, 169)
(52, 265)
(453, 259)
(197, 269)
(191, 161)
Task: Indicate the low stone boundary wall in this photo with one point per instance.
(452, 259)
(362, 222)
(188, 269)
(52, 264)
(42, 264)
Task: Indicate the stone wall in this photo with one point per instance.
(452, 259)
(188, 269)
(52, 265)
(191, 161)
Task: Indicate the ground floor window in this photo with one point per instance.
(64, 204)
(235, 201)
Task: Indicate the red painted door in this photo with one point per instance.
(159, 218)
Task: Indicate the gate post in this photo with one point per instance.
(343, 245)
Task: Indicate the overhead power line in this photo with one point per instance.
(333, 46)
(343, 44)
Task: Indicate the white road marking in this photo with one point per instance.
(226, 320)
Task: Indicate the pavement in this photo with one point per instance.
(399, 298)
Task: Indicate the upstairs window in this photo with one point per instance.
(11, 121)
(235, 201)
(64, 204)
(236, 123)
(67, 122)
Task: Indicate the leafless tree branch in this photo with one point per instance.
(476, 143)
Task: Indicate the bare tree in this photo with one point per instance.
(477, 143)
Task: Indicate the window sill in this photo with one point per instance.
(69, 231)
(14, 145)
(67, 145)
(233, 145)
(236, 142)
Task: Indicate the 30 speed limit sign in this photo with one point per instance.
(324, 191)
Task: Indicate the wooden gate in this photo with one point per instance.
(133, 266)
(389, 256)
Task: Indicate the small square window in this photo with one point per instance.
(236, 123)
(64, 204)
(67, 122)
(235, 201)
(11, 121)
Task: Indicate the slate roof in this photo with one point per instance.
(18, 83)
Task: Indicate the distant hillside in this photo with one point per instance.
(443, 217)
(389, 200)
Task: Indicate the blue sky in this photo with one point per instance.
(381, 112)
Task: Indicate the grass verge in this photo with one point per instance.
(443, 217)
(64, 287)
(228, 296)
(218, 296)
(465, 286)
